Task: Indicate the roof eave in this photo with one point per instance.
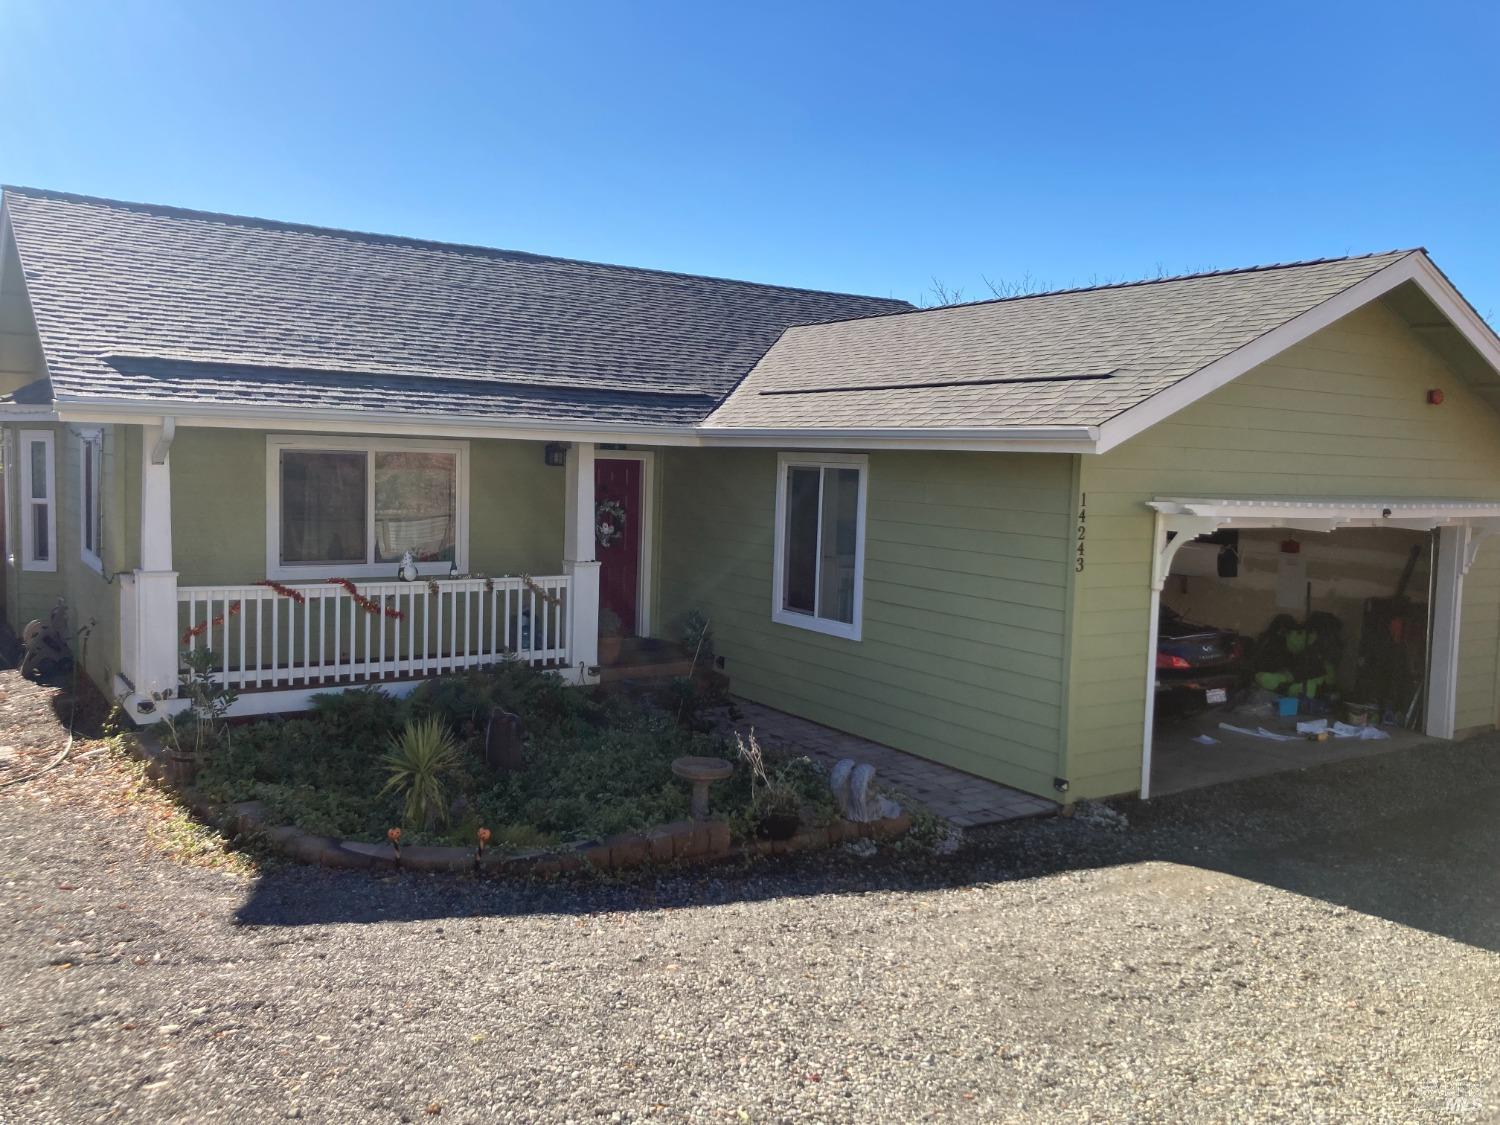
(1032, 439)
(993, 439)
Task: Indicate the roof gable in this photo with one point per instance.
(1078, 357)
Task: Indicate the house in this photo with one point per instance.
(954, 531)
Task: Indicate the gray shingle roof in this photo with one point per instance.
(162, 304)
(1073, 358)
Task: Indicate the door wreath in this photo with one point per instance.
(609, 521)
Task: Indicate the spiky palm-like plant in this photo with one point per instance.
(420, 759)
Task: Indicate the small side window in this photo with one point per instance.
(38, 503)
(91, 498)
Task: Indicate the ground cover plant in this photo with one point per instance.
(595, 763)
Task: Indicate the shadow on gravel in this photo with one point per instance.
(1413, 837)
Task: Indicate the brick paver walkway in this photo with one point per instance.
(961, 798)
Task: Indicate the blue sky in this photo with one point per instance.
(866, 147)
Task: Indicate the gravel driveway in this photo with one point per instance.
(1317, 947)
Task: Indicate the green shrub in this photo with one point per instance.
(596, 764)
(359, 717)
(421, 760)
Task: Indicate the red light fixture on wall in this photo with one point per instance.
(1434, 397)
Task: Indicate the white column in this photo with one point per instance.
(579, 563)
(1453, 559)
(154, 596)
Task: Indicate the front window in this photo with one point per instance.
(38, 504)
(820, 507)
(356, 507)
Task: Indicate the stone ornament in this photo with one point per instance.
(701, 772)
(853, 791)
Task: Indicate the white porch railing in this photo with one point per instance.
(264, 639)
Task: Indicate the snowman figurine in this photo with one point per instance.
(408, 571)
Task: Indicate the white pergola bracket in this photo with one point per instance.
(1186, 529)
(163, 443)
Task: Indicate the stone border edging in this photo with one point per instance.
(682, 840)
(705, 841)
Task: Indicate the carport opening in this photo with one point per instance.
(1280, 649)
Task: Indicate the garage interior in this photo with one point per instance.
(1282, 648)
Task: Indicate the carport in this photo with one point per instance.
(1458, 528)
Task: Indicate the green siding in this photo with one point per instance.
(1478, 651)
(1342, 414)
(219, 507)
(964, 606)
(92, 598)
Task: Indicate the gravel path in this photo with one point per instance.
(1322, 947)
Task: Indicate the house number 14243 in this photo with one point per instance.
(1083, 517)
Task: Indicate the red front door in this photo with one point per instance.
(617, 481)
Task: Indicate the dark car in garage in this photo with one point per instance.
(1197, 666)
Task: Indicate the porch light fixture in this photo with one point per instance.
(555, 454)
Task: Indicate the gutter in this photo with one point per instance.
(1034, 439)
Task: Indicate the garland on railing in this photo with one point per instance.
(546, 596)
(213, 623)
(369, 605)
(285, 591)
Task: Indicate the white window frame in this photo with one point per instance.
(12, 489)
(91, 439)
(29, 561)
(785, 462)
(317, 572)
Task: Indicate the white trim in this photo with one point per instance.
(644, 573)
(1328, 514)
(12, 488)
(29, 561)
(91, 439)
(276, 443)
(1000, 439)
(1443, 629)
(1415, 267)
(1153, 635)
(1028, 439)
(287, 701)
(853, 630)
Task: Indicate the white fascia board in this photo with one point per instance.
(11, 412)
(1028, 439)
(1331, 512)
(1415, 267)
(351, 422)
(1032, 439)
(1452, 304)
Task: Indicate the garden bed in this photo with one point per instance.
(592, 784)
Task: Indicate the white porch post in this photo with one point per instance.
(1185, 529)
(579, 563)
(1455, 546)
(149, 599)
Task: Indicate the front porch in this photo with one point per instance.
(280, 638)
